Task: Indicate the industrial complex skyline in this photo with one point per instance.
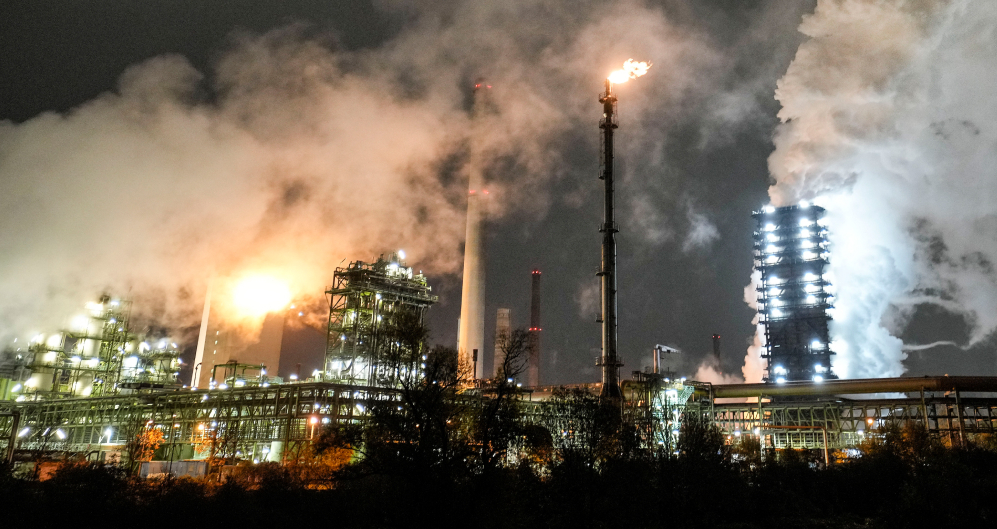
(143, 151)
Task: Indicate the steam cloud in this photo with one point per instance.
(289, 157)
(888, 121)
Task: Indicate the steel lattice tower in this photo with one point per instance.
(364, 301)
(791, 254)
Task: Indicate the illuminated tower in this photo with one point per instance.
(370, 308)
(791, 254)
(471, 332)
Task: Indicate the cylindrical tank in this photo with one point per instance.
(40, 379)
(83, 386)
(276, 451)
(90, 347)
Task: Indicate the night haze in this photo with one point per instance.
(149, 150)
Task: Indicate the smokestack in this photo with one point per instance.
(716, 348)
(472, 306)
(503, 325)
(202, 339)
(533, 372)
(610, 360)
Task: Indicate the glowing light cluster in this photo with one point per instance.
(793, 300)
(258, 295)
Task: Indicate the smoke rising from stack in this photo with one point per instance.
(888, 122)
(287, 156)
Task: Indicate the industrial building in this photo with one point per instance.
(367, 303)
(791, 256)
(91, 389)
(97, 356)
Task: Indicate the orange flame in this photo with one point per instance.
(631, 70)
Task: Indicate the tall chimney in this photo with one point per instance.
(610, 360)
(533, 371)
(472, 306)
(716, 348)
(503, 330)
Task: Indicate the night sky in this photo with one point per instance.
(685, 249)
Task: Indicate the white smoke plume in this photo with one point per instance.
(289, 157)
(709, 371)
(754, 365)
(702, 232)
(888, 121)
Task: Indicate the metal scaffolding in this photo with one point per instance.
(97, 356)
(366, 302)
(253, 423)
(791, 255)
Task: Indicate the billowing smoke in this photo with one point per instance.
(289, 157)
(888, 121)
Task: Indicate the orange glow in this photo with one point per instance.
(631, 70)
(257, 295)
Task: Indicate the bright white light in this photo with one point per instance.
(771, 237)
(779, 370)
(816, 344)
(769, 227)
(775, 280)
(771, 259)
(806, 222)
(758, 431)
(809, 255)
(131, 362)
(401, 254)
(809, 276)
(776, 302)
(818, 378)
(819, 368)
(737, 433)
(804, 204)
(811, 288)
(24, 431)
(769, 209)
(223, 386)
(294, 376)
(811, 300)
(16, 388)
(780, 380)
(80, 323)
(773, 291)
(806, 244)
(776, 313)
(804, 233)
(771, 248)
(60, 434)
(257, 295)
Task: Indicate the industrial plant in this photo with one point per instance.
(791, 254)
(89, 390)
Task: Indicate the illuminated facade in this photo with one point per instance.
(369, 306)
(791, 255)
